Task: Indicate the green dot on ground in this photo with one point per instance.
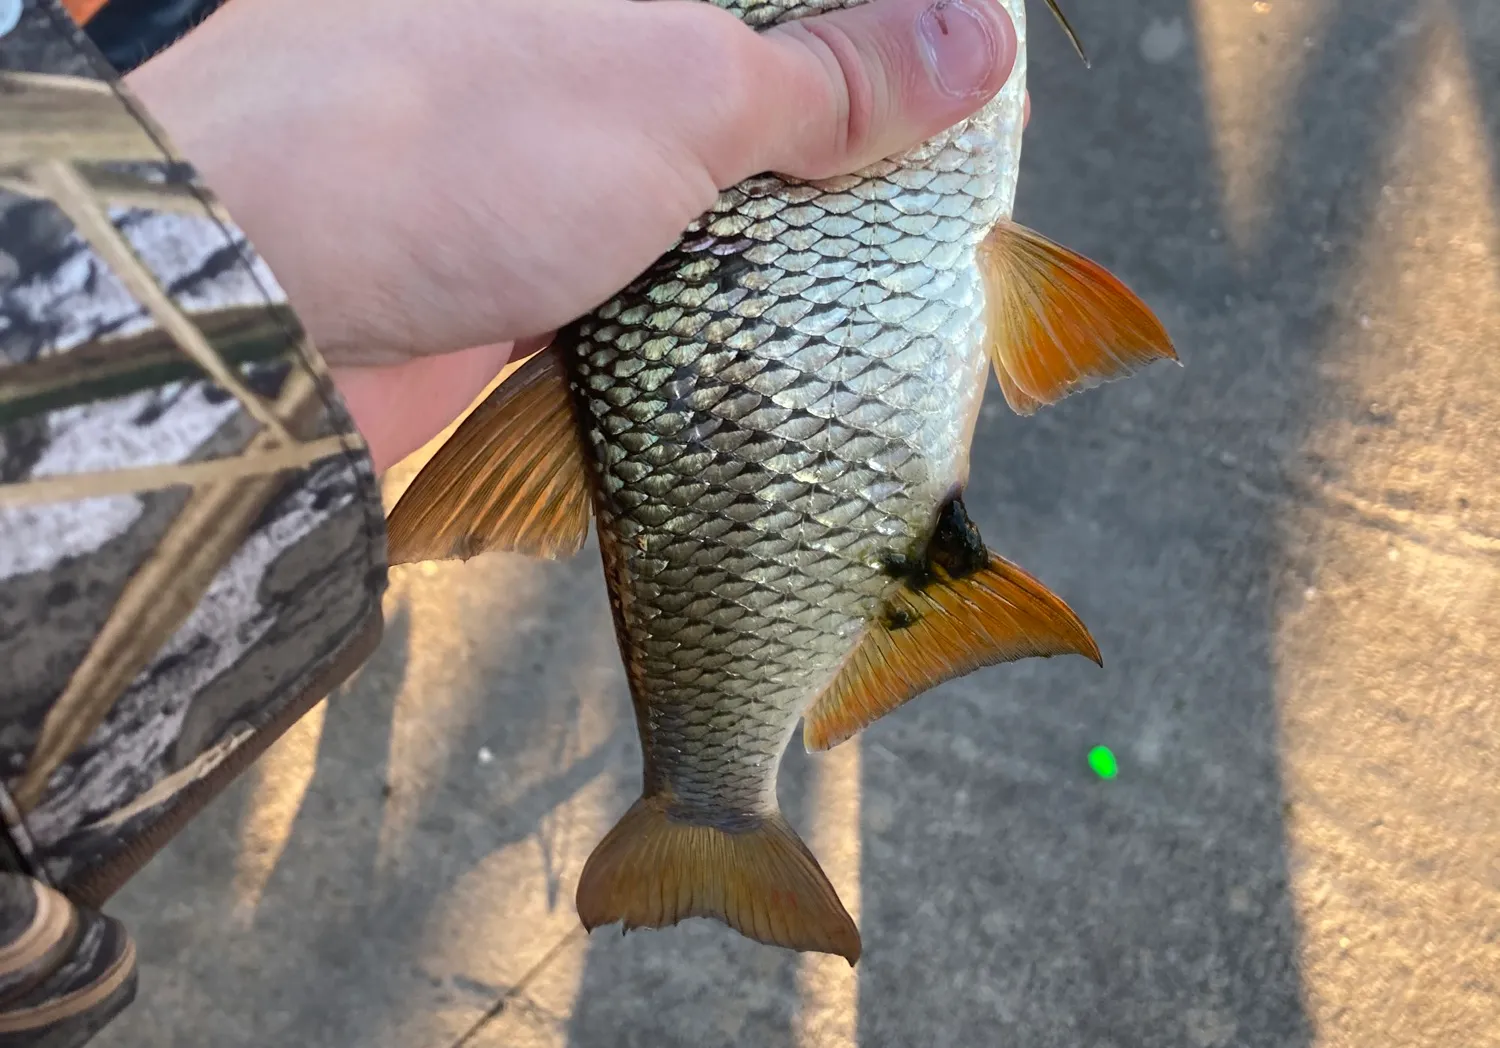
(1102, 760)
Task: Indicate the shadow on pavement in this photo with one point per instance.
(1006, 895)
(1005, 892)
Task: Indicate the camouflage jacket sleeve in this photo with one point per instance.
(192, 549)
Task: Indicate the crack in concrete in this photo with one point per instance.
(494, 1010)
(1442, 532)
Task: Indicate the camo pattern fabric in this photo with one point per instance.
(192, 548)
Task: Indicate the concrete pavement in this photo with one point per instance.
(1289, 551)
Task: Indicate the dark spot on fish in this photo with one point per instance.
(731, 268)
(896, 618)
(955, 549)
(913, 571)
(956, 546)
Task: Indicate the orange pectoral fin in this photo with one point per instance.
(1059, 323)
(512, 477)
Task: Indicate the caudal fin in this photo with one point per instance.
(652, 871)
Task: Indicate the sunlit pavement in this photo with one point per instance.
(1289, 551)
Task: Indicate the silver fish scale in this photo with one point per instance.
(782, 402)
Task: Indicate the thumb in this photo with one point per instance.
(841, 90)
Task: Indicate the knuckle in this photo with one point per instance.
(852, 81)
(841, 78)
(720, 82)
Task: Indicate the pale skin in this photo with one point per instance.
(436, 185)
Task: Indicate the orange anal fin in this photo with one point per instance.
(966, 608)
(1059, 323)
(652, 871)
(512, 477)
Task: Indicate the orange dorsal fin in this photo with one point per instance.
(962, 609)
(1059, 323)
(512, 477)
(653, 870)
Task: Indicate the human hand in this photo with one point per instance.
(468, 173)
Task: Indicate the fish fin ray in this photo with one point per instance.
(1059, 323)
(1069, 31)
(512, 477)
(946, 629)
(652, 871)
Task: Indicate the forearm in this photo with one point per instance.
(191, 538)
(235, 96)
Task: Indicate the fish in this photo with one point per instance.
(771, 429)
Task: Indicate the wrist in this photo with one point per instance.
(239, 114)
(399, 408)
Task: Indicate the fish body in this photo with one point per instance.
(778, 410)
(772, 427)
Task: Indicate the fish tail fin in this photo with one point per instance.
(652, 871)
